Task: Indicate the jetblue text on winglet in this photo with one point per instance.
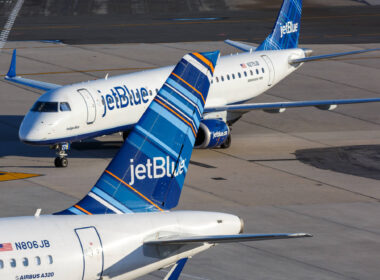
(159, 168)
(288, 28)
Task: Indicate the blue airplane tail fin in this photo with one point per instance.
(148, 172)
(286, 30)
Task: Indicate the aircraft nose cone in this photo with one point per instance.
(31, 129)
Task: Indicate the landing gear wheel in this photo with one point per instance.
(61, 162)
(226, 143)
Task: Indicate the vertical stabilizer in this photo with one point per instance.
(148, 172)
(286, 30)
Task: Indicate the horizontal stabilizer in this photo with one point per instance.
(180, 240)
(240, 46)
(326, 56)
(243, 108)
(12, 77)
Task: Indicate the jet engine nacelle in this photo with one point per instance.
(212, 133)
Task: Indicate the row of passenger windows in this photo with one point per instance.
(25, 262)
(239, 75)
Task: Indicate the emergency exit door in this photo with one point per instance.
(92, 250)
(90, 104)
(269, 63)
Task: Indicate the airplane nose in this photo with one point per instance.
(32, 129)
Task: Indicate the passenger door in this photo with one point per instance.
(90, 104)
(92, 250)
(269, 63)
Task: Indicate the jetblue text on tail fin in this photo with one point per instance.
(148, 172)
(286, 30)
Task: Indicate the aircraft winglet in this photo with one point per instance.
(148, 173)
(12, 68)
(12, 77)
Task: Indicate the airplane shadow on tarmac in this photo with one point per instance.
(361, 160)
(10, 144)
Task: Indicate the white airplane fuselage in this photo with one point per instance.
(98, 107)
(111, 246)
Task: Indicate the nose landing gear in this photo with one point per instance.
(60, 150)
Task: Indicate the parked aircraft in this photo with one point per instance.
(123, 229)
(70, 113)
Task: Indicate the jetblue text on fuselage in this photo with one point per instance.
(121, 97)
(288, 28)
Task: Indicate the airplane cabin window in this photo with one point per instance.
(38, 260)
(212, 81)
(233, 76)
(50, 258)
(156, 90)
(45, 107)
(222, 78)
(13, 263)
(250, 71)
(217, 79)
(64, 106)
(239, 74)
(257, 71)
(262, 69)
(150, 92)
(228, 77)
(245, 73)
(25, 261)
(1, 264)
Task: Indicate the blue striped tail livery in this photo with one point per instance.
(286, 30)
(148, 172)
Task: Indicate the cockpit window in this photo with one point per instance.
(64, 106)
(45, 107)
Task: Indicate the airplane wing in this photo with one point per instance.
(249, 48)
(240, 46)
(180, 240)
(276, 107)
(12, 77)
(326, 56)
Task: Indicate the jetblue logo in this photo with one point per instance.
(121, 97)
(219, 134)
(156, 168)
(288, 28)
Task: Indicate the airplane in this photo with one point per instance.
(65, 114)
(123, 228)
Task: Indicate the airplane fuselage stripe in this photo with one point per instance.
(132, 188)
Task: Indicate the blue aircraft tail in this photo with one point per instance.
(286, 30)
(148, 172)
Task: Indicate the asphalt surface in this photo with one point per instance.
(305, 170)
(100, 22)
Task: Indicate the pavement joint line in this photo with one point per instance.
(216, 195)
(86, 48)
(272, 254)
(326, 220)
(336, 82)
(26, 88)
(287, 133)
(303, 177)
(50, 188)
(52, 64)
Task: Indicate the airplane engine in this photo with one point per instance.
(213, 133)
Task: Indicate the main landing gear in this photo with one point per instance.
(60, 151)
(227, 143)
